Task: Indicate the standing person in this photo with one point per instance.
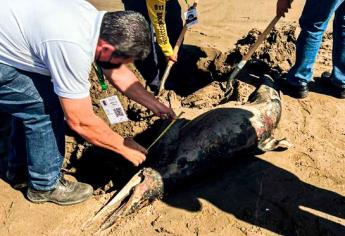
(313, 22)
(46, 51)
(166, 24)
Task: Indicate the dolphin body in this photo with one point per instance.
(192, 148)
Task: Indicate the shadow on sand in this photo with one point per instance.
(256, 191)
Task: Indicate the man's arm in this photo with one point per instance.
(126, 82)
(156, 10)
(81, 118)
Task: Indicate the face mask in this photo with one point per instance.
(107, 65)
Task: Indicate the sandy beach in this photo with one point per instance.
(300, 191)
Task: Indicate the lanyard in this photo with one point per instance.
(100, 76)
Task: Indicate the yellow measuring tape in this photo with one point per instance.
(165, 130)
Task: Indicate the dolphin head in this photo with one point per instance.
(145, 187)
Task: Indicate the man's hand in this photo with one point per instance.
(81, 118)
(283, 7)
(163, 111)
(134, 152)
(171, 58)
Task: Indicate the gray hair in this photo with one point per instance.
(128, 32)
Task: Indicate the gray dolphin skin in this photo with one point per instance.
(192, 148)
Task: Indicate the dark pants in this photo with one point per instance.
(314, 21)
(155, 62)
(5, 131)
(29, 104)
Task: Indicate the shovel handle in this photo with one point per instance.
(175, 52)
(261, 38)
(249, 54)
(170, 62)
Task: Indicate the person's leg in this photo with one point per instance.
(17, 172)
(174, 24)
(17, 159)
(5, 131)
(30, 99)
(148, 67)
(338, 72)
(173, 21)
(137, 6)
(313, 22)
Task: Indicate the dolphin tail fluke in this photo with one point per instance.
(272, 144)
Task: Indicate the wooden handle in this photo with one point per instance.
(246, 57)
(171, 63)
(165, 76)
(261, 38)
(175, 52)
(180, 40)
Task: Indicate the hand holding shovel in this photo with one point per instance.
(246, 57)
(175, 52)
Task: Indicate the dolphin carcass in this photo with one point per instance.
(192, 148)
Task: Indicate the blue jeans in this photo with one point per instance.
(28, 102)
(313, 22)
(5, 129)
(151, 66)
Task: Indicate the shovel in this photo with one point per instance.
(175, 51)
(246, 57)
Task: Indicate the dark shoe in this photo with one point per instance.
(65, 193)
(296, 91)
(18, 180)
(337, 91)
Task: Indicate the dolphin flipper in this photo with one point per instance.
(273, 144)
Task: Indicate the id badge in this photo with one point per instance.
(191, 17)
(113, 110)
